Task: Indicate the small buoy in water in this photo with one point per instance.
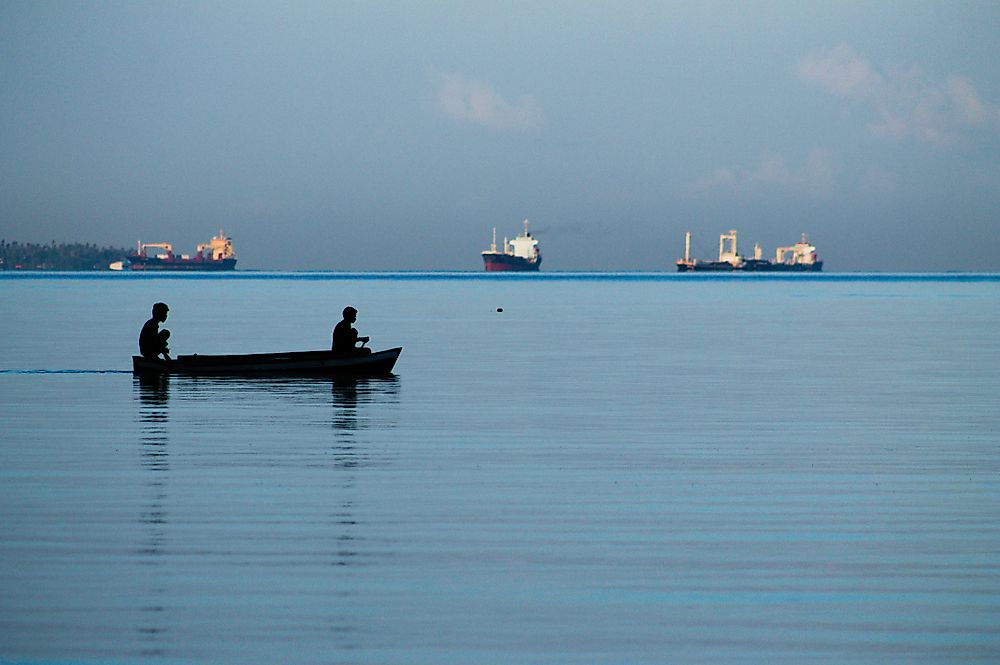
(499, 309)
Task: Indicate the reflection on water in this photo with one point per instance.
(347, 396)
(153, 394)
(283, 460)
(810, 478)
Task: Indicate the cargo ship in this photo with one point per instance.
(520, 254)
(216, 254)
(800, 257)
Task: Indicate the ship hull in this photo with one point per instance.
(706, 266)
(767, 266)
(749, 266)
(506, 263)
(152, 263)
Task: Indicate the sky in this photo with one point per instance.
(396, 135)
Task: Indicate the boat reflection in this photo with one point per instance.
(360, 389)
(349, 399)
(153, 396)
(286, 407)
(234, 442)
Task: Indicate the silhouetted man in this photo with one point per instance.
(345, 337)
(152, 340)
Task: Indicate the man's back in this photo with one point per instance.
(149, 339)
(344, 336)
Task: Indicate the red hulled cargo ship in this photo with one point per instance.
(520, 254)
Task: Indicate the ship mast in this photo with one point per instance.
(733, 255)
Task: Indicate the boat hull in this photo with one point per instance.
(294, 363)
(507, 263)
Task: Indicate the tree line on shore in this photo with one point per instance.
(57, 256)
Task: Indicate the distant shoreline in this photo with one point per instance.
(84, 257)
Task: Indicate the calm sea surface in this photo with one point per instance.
(614, 469)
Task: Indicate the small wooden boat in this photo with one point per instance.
(314, 363)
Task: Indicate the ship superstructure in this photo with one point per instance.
(216, 254)
(519, 254)
(800, 257)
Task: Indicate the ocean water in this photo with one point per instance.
(614, 469)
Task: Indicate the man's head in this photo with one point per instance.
(350, 314)
(160, 310)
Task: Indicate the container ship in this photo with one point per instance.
(520, 254)
(800, 257)
(216, 254)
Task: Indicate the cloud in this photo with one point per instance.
(470, 100)
(814, 176)
(906, 104)
(841, 72)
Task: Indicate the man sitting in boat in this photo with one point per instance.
(152, 340)
(345, 337)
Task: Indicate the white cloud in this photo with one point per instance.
(906, 104)
(470, 100)
(841, 72)
(772, 170)
(814, 176)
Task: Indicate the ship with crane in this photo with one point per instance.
(800, 257)
(520, 254)
(216, 254)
